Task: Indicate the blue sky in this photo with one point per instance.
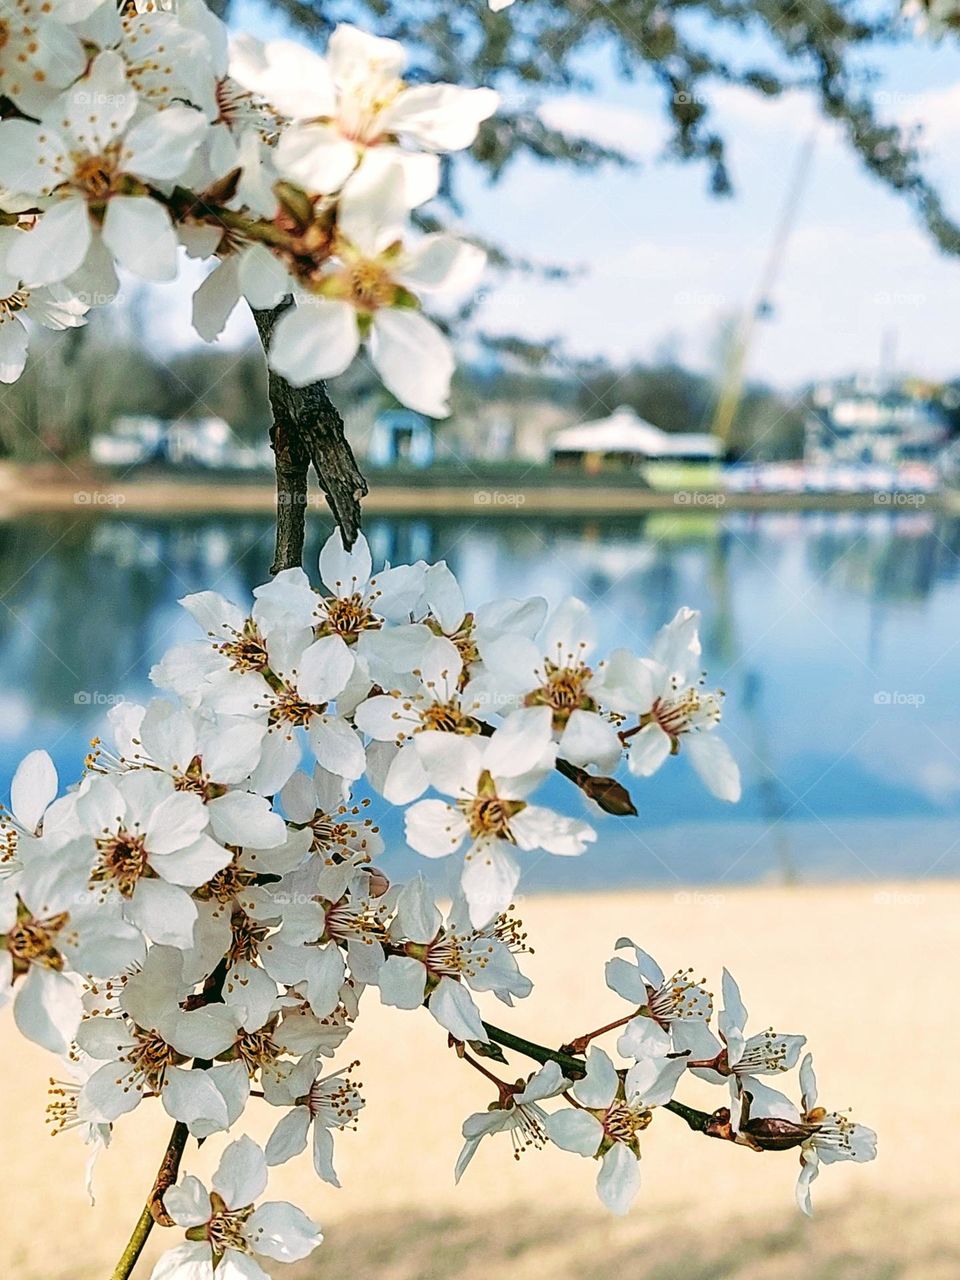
(663, 260)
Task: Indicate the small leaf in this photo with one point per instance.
(487, 1049)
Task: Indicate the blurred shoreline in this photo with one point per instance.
(481, 490)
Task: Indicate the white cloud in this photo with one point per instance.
(639, 134)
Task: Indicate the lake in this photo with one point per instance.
(836, 638)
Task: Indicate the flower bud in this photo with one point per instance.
(774, 1133)
(609, 795)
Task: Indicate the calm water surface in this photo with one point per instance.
(837, 639)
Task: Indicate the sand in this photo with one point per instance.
(863, 970)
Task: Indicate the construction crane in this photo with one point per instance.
(731, 388)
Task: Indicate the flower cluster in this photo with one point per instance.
(197, 920)
(933, 18)
(127, 136)
(667, 1034)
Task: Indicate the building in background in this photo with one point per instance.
(400, 438)
(206, 443)
(625, 441)
(871, 422)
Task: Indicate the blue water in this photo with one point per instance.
(836, 638)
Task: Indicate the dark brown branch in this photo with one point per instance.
(713, 1124)
(308, 429)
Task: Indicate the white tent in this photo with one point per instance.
(625, 432)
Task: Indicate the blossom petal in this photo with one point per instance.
(402, 982)
(48, 1009)
(139, 233)
(434, 828)
(33, 788)
(240, 818)
(453, 1007)
(489, 881)
(289, 1137)
(718, 770)
(56, 246)
(576, 1131)
(282, 1231)
(414, 359)
(241, 1176)
(162, 144)
(598, 1088)
(315, 157)
(191, 1261)
(164, 912)
(316, 339)
(14, 344)
(618, 1180)
(188, 1203)
(648, 750)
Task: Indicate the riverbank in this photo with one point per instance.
(859, 968)
(477, 489)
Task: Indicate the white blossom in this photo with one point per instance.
(434, 960)
(665, 689)
(488, 783)
(666, 1007)
(767, 1052)
(318, 1103)
(520, 1115)
(87, 159)
(370, 294)
(610, 1114)
(226, 1230)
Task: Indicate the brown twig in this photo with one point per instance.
(308, 429)
(580, 1043)
(153, 1211)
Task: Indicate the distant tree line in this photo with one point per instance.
(84, 380)
(768, 424)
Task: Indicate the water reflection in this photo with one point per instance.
(834, 635)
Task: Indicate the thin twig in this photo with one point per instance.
(308, 429)
(575, 1069)
(153, 1210)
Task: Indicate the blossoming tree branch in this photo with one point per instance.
(195, 923)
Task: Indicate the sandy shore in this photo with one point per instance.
(864, 971)
(78, 490)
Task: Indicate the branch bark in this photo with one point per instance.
(153, 1210)
(307, 429)
(575, 1068)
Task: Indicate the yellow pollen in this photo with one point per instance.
(33, 941)
(564, 689)
(347, 616)
(123, 861)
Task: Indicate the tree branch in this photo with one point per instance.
(153, 1210)
(308, 429)
(575, 1069)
